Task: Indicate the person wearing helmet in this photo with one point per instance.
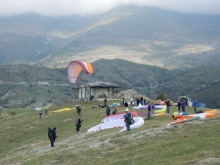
(78, 109)
(127, 119)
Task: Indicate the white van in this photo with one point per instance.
(188, 100)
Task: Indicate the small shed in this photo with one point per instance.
(96, 90)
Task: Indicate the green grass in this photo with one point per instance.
(24, 139)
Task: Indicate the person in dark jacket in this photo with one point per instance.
(149, 108)
(195, 104)
(105, 102)
(179, 106)
(138, 101)
(108, 110)
(52, 135)
(40, 115)
(141, 100)
(78, 109)
(78, 124)
(183, 105)
(123, 101)
(114, 111)
(167, 102)
(127, 119)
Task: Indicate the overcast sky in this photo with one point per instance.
(88, 7)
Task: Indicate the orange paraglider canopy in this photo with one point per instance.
(75, 67)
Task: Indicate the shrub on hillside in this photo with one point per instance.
(12, 113)
(161, 96)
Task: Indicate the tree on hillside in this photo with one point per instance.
(161, 96)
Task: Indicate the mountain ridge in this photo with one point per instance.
(24, 85)
(137, 34)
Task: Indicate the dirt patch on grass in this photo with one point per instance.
(209, 161)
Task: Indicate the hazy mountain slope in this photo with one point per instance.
(197, 82)
(128, 74)
(138, 34)
(30, 37)
(25, 85)
(147, 36)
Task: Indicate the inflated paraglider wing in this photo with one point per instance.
(75, 67)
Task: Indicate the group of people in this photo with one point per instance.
(108, 110)
(52, 132)
(182, 105)
(41, 113)
(128, 118)
(134, 101)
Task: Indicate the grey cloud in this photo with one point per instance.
(88, 7)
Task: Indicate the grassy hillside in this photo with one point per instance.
(30, 85)
(27, 85)
(200, 82)
(26, 141)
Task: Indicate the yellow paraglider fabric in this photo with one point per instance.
(63, 110)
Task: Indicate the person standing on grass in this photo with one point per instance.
(78, 109)
(40, 115)
(108, 110)
(138, 101)
(105, 102)
(131, 101)
(142, 100)
(78, 124)
(195, 104)
(149, 108)
(183, 105)
(152, 110)
(127, 119)
(123, 101)
(52, 135)
(179, 106)
(167, 102)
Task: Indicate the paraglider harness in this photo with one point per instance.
(129, 118)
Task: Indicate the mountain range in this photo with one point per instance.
(24, 85)
(138, 34)
(147, 49)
